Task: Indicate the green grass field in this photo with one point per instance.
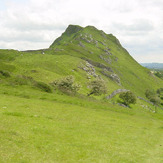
(62, 130)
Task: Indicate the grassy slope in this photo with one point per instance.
(41, 127)
(55, 64)
(133, 76)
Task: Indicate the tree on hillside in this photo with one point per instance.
(155, 100)
(97, 87)
(128, 97)
(67, 85)
(153, 96)
(150, 93)
(160, 91)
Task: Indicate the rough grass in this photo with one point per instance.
(43, 130)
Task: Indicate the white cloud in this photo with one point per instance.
(34, 24)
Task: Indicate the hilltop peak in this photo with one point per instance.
(88, 33)
(91, 27)
(73, 29)
(70, 30)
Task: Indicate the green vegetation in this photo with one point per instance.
(150, 93)
(4, 73)
(159, 74)
(46, 113)
(98, 87)
(44, 87)
(42, 127)
(160, 91)
(160, 94)
(66, 85)
(153, 96)
(155, 100)
(128, 98)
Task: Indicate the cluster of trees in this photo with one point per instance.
(159, 91)
(154, 97)
(98, 87)
(68, 85)
(159, 74)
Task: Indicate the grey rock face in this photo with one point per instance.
(141, 98)
(112, 76)
(102, 43)
(89, 68)
(107, 52)
(97, 64)
(122, 105)
(58, 49)
(106, 59)
(81, 44)
(115, 77)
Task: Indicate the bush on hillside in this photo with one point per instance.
(150, 93)
(154, 96)
(5, 73)
(159, 91)
(155, 100)
(22, 80)
(159, 74)
(97, 87)
(128, 97)
(28, 80)
(43, 86)
(67, 85)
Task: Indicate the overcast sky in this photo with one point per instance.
(35, 24)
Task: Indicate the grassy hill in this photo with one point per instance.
(37, 126)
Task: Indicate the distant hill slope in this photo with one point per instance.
(97, 47)
(158, 66)
(86, 53)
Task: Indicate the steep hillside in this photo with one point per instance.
(87, 54)
(41, 123)
(79, 49)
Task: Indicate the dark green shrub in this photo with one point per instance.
(149, 93)
(22, 80)
(159, 74)
(66, 85)
(5, 73)
(97, 87)
(128, 97)
(160, 91)
(153, 96)
(43, 86)
(155, 100)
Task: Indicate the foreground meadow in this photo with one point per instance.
(57, 129)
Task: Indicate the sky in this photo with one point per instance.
(35, 24)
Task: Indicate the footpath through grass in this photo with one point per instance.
(41, 130)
